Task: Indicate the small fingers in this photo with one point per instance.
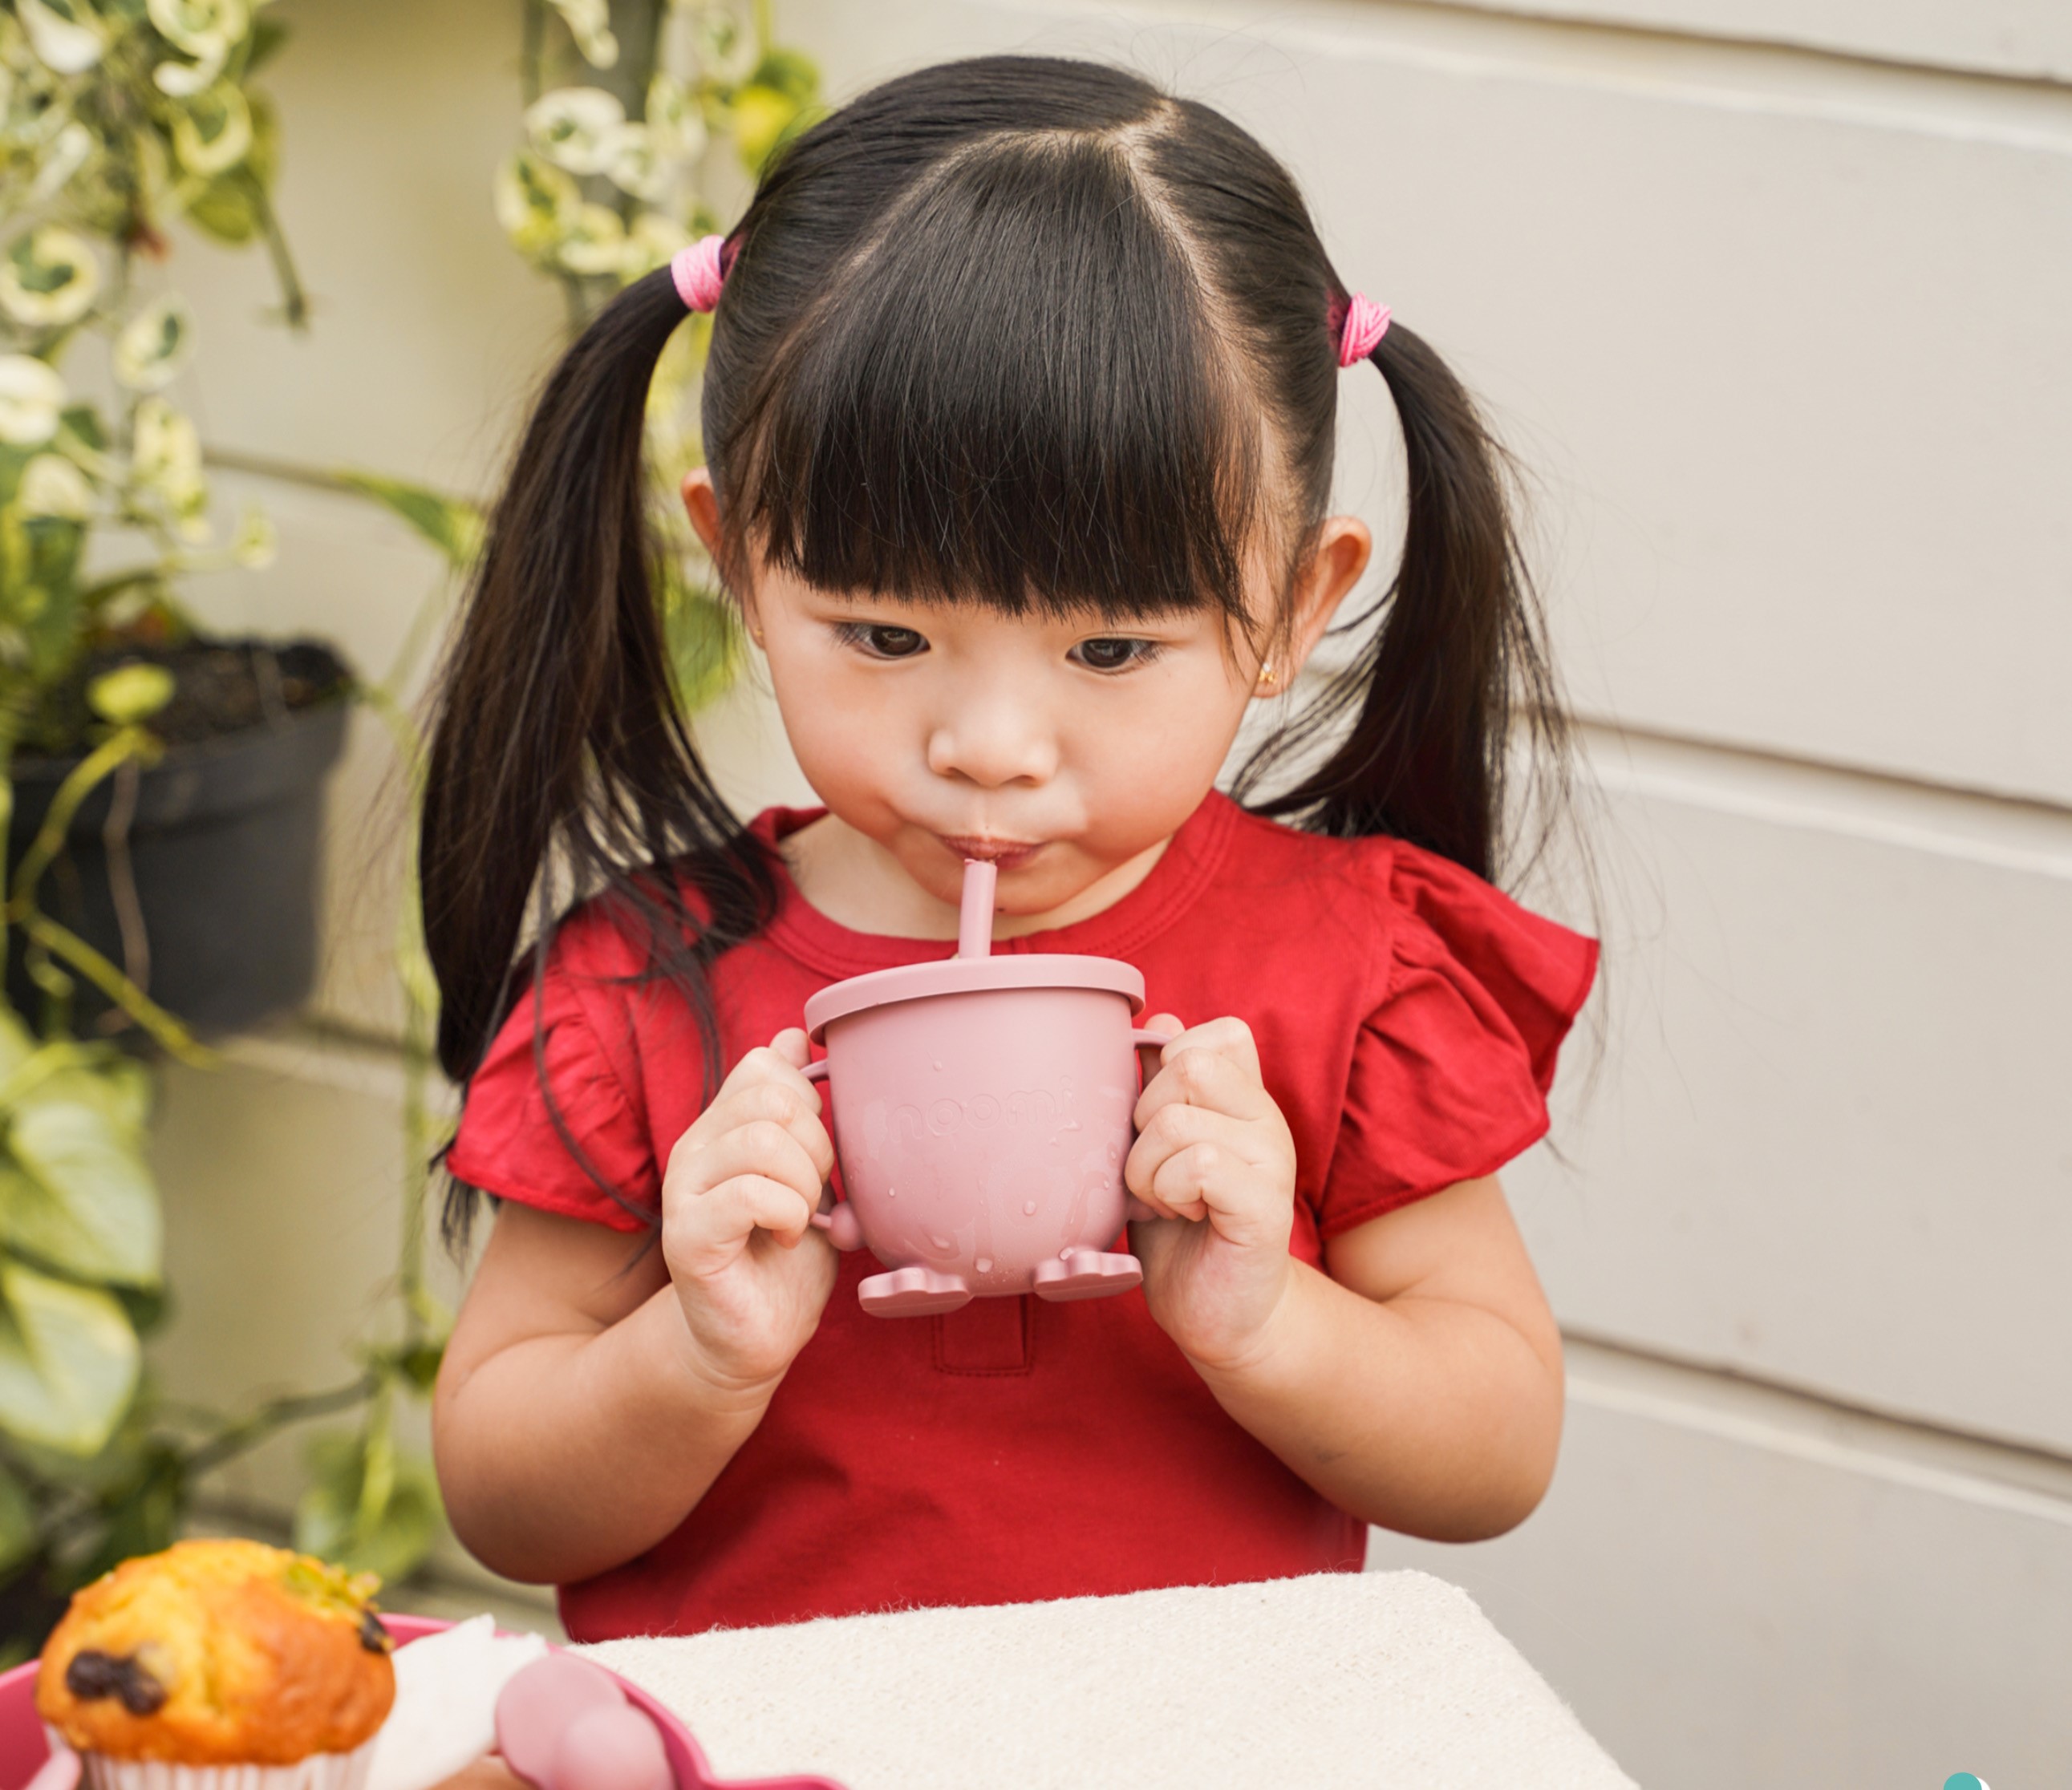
(791, 1104)
(1176, 1133)
(1228, 1037)
(783, 1061)
(1168, 1025)
(1203, 1178)
(1197, 1075)
(791, 1046)
(761, 1147)
(713, 1226)
(1179, 1187)
(1177, 1125)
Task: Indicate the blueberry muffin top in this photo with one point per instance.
(219, 1653)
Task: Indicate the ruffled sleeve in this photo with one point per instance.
(1450, 1073)
(560, 1154)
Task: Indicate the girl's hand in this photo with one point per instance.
(1215, 1160)
(738, 1198)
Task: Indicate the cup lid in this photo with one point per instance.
(965, 975)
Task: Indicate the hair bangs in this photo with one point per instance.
(1012, 394)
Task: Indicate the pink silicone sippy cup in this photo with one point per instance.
(981, 1110)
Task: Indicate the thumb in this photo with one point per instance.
(1150, 1058)
(1168, 1024)
(791, 1045)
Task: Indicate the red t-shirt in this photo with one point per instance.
(1407, 1016)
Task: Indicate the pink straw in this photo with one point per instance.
(975, 909)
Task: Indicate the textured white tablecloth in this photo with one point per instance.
(1368, 1680)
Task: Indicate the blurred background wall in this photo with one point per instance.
(1772, 298)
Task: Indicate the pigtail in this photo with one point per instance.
(1459, 656)
(559, 753)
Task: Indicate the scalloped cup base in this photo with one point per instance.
(912, 1293)
(1087, 1274)
(922, 1292)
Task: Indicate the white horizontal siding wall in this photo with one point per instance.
(2025, 39)
(1772, 299)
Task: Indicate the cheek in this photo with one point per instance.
(841, 731)
(1144, 778)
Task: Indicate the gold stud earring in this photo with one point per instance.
(1267, 677)
(758, 633)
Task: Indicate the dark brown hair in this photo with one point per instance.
(1013, 331)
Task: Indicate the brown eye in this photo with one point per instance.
(883, 643)
(1113, 653)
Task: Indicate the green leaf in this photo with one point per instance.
(43, 601)
(16, 1045)
(267, 35)
(48, 277)
(130, 693)
(84, 421)
(79, 1195)
(18, 1523)
(333, 1520)
(791, 72)
(142, 1509)
(762, 116)
(420, 1364)
(704, 644)
(231, 208)
(452, 524)
(69, 1360)
(536, 203)
(213, 131)
(154, 344)
(148, 1308)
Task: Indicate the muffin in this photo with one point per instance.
(214, 1655)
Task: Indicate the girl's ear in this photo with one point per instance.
(701, 504)
(1344, 546)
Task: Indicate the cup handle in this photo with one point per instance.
(1134, 1210)
(843, 1230)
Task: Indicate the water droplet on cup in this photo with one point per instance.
(938, 1065)
(984, 1264)
(1029, 1209)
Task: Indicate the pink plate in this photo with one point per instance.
(22, 1748)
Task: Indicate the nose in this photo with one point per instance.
(992, 740)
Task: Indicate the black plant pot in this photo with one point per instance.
(216, 872)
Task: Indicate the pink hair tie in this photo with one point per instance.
(698, 272)
(1366, 324)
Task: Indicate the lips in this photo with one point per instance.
(1005, 852)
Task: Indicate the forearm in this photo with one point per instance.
(1431, 1416)
(562, 1455)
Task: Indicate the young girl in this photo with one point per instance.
(1020, 413)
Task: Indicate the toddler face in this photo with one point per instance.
(1061, 749)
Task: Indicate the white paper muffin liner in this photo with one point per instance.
(319, 1771)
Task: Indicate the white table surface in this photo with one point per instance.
(1367, 1680)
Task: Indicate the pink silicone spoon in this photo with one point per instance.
(541, 1705)
(611, 1749)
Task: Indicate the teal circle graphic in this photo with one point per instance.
(1964, 1781)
